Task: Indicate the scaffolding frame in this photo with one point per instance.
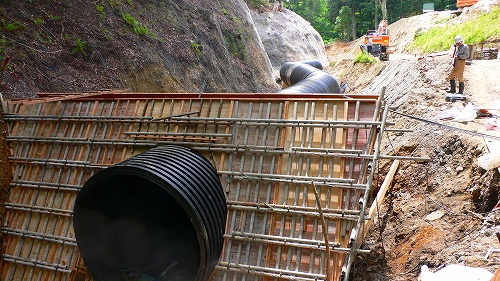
(295, 170)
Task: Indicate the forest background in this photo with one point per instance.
(346, 20)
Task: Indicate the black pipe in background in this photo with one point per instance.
(307, 77)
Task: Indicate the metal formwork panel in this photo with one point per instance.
(272, 153)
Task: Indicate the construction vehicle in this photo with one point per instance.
(465, 3)
(377, 42)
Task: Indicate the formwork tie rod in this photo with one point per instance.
(38, 209)
(40, 236)
(70, 118)
(46, 185)
(292, 212)
(36, 263)
(293, 207)
(287, 177)
(282, 122)
(272, 272)
(279, 240)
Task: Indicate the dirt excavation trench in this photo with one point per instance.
(437, 212)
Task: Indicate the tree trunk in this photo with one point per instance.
(353, 19)
(383, 6)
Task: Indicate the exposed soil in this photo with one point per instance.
(77, 46)
(437, 212)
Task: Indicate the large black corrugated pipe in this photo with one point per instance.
(159, 215)
(304, 77)
(315, 63)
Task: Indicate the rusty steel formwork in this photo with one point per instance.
(294, 169)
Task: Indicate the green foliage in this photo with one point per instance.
(79, 46)
(363, 57)
(322, 14)
(475, 31)
(226, 14)
(141, 29)
(115, 4)
(196, 48)
(323, 24)
(236, 45)
(129, 19)
(343, 23)
(138, 28)
(13, 26)
(4, 44)
(446, 19)
(100, 9)
(39, 21)
(329, 41)
(52, 17)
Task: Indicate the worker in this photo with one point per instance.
(460, 53)
(382, 27)
(369, 45)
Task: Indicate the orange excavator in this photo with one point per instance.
(376, 42)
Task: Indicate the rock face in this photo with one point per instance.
(287, 37)
(146, 46)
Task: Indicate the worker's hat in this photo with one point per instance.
(459, 38)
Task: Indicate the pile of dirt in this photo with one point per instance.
(436, 212)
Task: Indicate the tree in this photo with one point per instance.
(343, 23)
(330, 18)
(383, 7)
(325, 15)
(333, 9)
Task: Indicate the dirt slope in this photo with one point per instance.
(143, 46)
(436, 212)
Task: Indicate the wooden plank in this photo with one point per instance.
(63, 97)
(128, 151)
(226, 131)
(226, 96)
(496, 277)
(379, 199)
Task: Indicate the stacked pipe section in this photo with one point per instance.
(307, 77)
(159, 215)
